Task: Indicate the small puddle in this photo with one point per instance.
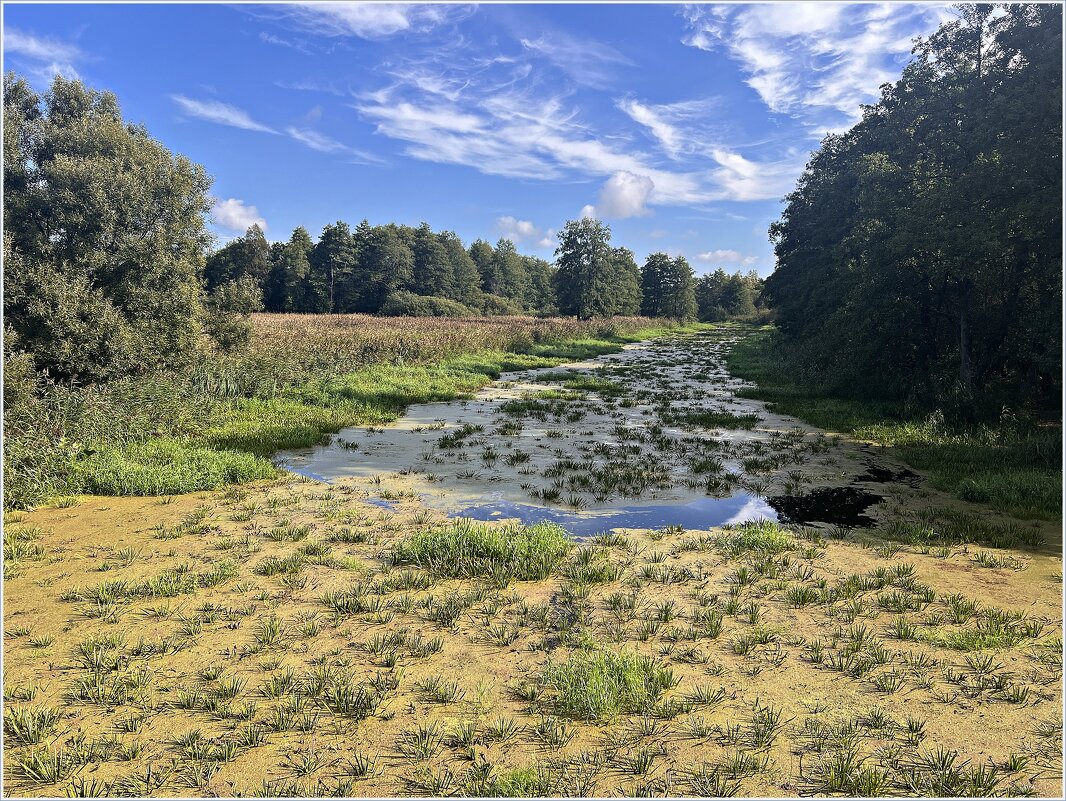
(703, 513)
(842, 506)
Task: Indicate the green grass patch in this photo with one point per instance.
(469, 549)
(711, 418)
(165, 466)
(759, 536)
(599, 685)
(1011, 468)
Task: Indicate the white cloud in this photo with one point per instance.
(743, 179)
(219, 112)
(325, 144)
(588, 211)
(665, 132)
(373, 20)
(586, 61)
(234, 215)
(730, 256)
(815, 61)
(516, 230)
(625, 195)
(44, 57)
(499, 116)
(549, 239)
(671, 123)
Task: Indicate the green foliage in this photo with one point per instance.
(668, 288)
(730, 297)
(599, 685)
(593, 279)
(164, 466)
(407, 304)
(468, 549)
(100, 276)
(1011, 465)
(920, 255)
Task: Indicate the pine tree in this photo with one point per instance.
(433, 273)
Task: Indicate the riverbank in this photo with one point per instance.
(1009, 467)
(300, 378)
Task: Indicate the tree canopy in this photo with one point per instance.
(104, 236)
(920, 253)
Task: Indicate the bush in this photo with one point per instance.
(407, 304)
(496, 306)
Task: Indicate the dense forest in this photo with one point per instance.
(920, 256)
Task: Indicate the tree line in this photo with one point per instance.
(400, 270)
(920, 255)
(109, 270)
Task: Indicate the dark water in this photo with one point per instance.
(875, 474)
(842, 506)
(699, 514)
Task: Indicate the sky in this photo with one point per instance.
(681, 126)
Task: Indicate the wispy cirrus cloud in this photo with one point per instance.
(815, 61)
(41, 57)
(220, 113)
(525, 134)
(585, 60)
(675, 126)
(372, 20)
(326, 144)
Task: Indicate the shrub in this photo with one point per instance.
(402, 303)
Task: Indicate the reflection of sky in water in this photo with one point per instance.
(700, 514)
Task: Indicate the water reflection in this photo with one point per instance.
(699, 514)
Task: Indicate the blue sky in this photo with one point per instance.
(681, 126)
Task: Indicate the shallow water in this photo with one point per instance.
(499, 473)
(700, 514)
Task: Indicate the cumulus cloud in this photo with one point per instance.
(220, 113)
(516, 230)
(817, 62)
(625, 195)
(234, 215)
(730, 256)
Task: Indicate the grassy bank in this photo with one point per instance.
(1011, 467)
(301, 378)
